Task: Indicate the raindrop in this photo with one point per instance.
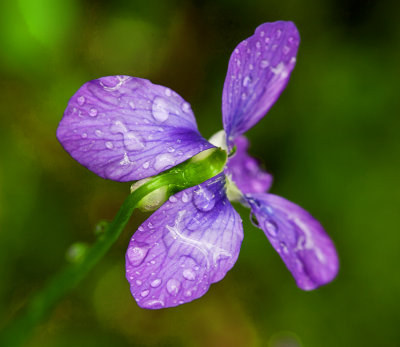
(267, 39)
(109, 145)
(246, 81)
(155, 283)
(185, 107)
(189, 274)
(173, 286)
(278, 33)
(167, 92)
(164, 161)
(132, 105)
(160, 109)
(262, 33)
(146, 165)
(271, 228)
(238, 62)
(84, 135)
(185, 197)
(203, 199)
(171, 149)
(144, 293)
(98, 133)
(286, 50)
(93, 112)
(132, 142)
(258, 44)
(137, 254)
(139, 282)
(172, 199)
(284, 247)
(188, 293)
(81, 100)
(264, 64)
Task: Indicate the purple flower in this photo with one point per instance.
(125, 128)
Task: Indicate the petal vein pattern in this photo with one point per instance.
(125, 128)
(258, 71)
(184, 246)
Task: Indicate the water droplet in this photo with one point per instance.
(132, 105)
(173, 198)
(144, 293)
(189, 275)
(109, 145)
(84, 135)
(160, 109)
(164, 161)
(244, 96)
(262, 33)
(154, 304)
(185, 107)
(155, 283)
(139, 282)
(81, 100)
(271, 228)
(284, 247)
(98, 133)
(264, 64)
(188, 293)
(173, 286)
(258, 44)
(118, 127)
(238, 62)
(93, 112)
(185, 197)
(137, 254)
(286, 50)
(236, 50)
(246, 81)
(132, 141)
(278, 33)
(171, 149)
(203, 199)
(167, 92)
(146, 165)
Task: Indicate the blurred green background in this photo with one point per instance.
(332, 142)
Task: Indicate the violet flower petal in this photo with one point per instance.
(258, 71)
(300, 240)
(188, 243)
(245, 171)
(125, 128)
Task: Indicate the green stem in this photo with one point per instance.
(187, 174)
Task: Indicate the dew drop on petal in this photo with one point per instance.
(167, 92)
(271, 227)
(203, 199)
(156, 283)
(137, 254)
(93, 112)
(189, 274)
(132, 141)
(81, 100)
(185, 107)
(138, 282)
(144, 293)
(264, 64)
(84, 135)
(284, 248)
(109, 145)
(185, 197)
(173, 286)
(246, 81)
(146, 165)
(164, 161)
(160, 109)
(172, 199)
(98, 132)
(132, 105)
(285, 50)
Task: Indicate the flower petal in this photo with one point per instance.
(125, 128)
(258, 71)
(300, 240)
(187, 244)
(246, 171)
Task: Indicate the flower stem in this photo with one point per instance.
(187, 174)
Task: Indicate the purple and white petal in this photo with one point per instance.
(258, 71)
(188, 243)
(125, 128)
(300, 240)
(245, 171)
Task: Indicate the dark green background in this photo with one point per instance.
(331, 141)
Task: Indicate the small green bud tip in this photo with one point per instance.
(76, 252)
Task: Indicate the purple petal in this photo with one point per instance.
(246, 171)
(258, 71)
(125, 128)
(300, 240)
(187, 244)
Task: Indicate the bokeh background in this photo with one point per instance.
(331, 141)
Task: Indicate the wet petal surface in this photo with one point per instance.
(259, 69)
(300, 240)
(125, 128)
(187, 244)
(246, 171)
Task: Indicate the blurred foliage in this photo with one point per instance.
(331, 141)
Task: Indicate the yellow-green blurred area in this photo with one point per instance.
(331, 141)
